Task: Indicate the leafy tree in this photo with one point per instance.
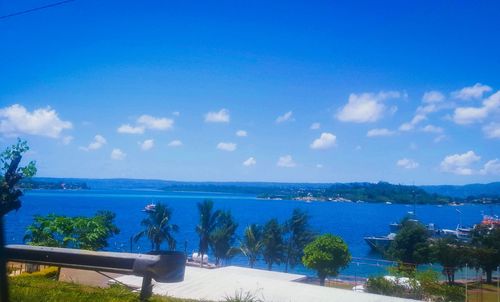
(327, 254)
(207, 224)
(10, 175)
(158, 227)
(222, 237)
(273, 245)
(410, 245)
(88, 233)
(251, 245)
(298, 235)
(451, 254)
(486, 249)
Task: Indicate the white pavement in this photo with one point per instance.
(216, 284)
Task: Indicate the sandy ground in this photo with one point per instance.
(216, 284)
(86, 277)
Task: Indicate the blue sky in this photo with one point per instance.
(398, 91)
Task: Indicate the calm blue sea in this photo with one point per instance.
(351, 221)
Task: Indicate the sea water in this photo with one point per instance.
(351, 221)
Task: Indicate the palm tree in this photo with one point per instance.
(299, 234)
(157, 228)
(273, 245)
(251, 245)
(208, 222)
(222, 237)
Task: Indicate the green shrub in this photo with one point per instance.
(49, 272)
(382, 286)
(240, 296)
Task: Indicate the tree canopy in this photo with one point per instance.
(410, 244)
(207, 224)
(327, 255)
(273, 244)
(11, 174)
(485, 248)
(298, 234)
(88, 233)
(222, 236)
(158, 227)
(251, 245)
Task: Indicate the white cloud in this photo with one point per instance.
(432, 129)
(221, 116)
(176, 113)
(472, 92)
(97, 143)
(67, 140)
(325, 141)
(250, 162)
(319, 166)
(379, 132)
(241, 133)
(492, 167)
(315, 126)
(459, 163)
(226, 146)
(365, 107)
(154, 123)
(118, 154)
(492, 130)
(411, 125)
(469, 115)
(432, 96)
(147, 144)
(407, 163)
(128, 129)
(287, 117)
(286, 161)
(175, 143)
(146, 121)
(16, 120)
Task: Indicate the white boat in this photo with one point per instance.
(197, 258)
(150, 208)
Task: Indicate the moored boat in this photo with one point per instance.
(149, 208)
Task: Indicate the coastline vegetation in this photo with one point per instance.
(336, 192)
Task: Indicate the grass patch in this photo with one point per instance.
(484, 293)
(36, 288)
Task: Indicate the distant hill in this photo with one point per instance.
(371, 192)
(476, 190)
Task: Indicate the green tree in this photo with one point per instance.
(410, 246)
(88, 233)
(222, 236)
(273, 250)
(251, 245)
(451, 254)
(298, 235)
(206, 225)
(327, 255)
(485, 249)
(10, 175)
(158, 227)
